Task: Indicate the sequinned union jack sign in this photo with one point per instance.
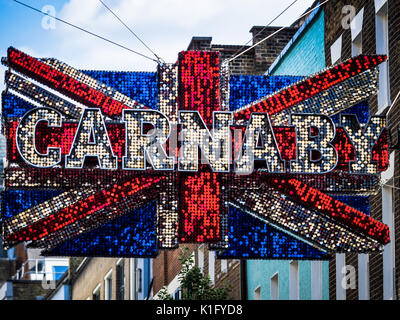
(123, 164)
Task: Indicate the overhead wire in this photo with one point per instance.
(272, 34)
(86, 31)
(131, 31)
(269, 23)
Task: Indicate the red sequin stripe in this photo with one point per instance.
(82, 209)
(199, 83)
(342, 213)
(198, 88)
(63, 83)
(345, 149)
(200, 207)
(380, 151)
(310, 87)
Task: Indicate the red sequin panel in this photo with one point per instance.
(380, 151)
(286, 139)
(64, 217)
(57, 137)
(200, 207)
(10, 134)
(310, 87)
(199, 90)
(199, 82)
(345, 149)
(342, 213)
(63, 83)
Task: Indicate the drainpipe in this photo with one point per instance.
(243, 279)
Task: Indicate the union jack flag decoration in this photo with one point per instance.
(305, 199)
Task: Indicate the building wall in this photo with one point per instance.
(63, 293)
(303, 55)
(231, 277)
(256, 60)
(90, 274)
(333, 30)
(261, 272)
(28, 290)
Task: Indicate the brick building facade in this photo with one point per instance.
(110, 279)
(374, 29)
(93, 275)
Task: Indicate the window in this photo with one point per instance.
(200, 255)
(120, 280)
(138, 280)
(59, 271)
(96, 293)
(132, 277)
(336, 50)
(356, 46)
(108, 286)
(388, 210)
(294, 280)
(177, 294)
(340, 266)
(275, 287)
(363, 276)
(211, 266)
(224, 265)
(382, 47)
(356, 26)
(257, 293)
(316, 280)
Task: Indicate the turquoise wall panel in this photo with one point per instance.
(307, 54)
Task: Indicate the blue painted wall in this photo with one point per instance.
(259, 273)
(304, 55)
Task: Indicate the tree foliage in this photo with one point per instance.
(193, 284)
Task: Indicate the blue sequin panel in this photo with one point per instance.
(131, 235)
(245, 89)
(360, 203)
(251, 238)
(14, 106)
(139, 86)
(17, 201)
(360, 109)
